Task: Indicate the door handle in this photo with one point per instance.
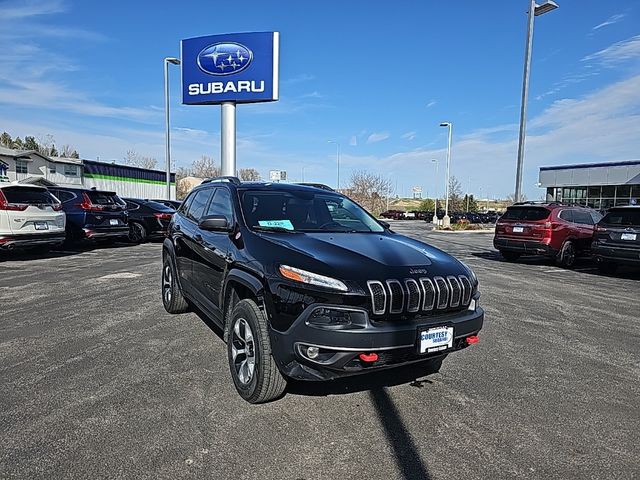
(198, 238)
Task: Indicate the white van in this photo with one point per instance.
(30, 216)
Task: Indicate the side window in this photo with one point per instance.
(221, 204)
(131, 205)
(185, 204)
(596, 216)
(566, 215)
(196, 210)
(582, 217)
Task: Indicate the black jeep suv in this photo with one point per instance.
(305, 284)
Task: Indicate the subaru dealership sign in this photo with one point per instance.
(238, 67)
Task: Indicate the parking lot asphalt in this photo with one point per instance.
(97, 381)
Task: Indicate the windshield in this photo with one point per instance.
(302, 211)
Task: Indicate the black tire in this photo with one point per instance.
(253, 369)
(607, 268)
(510, 256)
(567, 256)
(137, 232)
(172, 298)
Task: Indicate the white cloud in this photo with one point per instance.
(303, 77)
(431, 103)
(14, 10)
(610, 21)
(409, 135)
(353, 141)
(377, 137)
(617, 53)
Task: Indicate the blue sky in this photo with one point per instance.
(376, 76)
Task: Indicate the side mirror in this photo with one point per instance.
(215, 223)
(386, 225)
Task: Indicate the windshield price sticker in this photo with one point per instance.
(286, 224)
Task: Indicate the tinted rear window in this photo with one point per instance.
(622, 217)
(104, 198)
(31, 196)
(160, 207)
(525, 213)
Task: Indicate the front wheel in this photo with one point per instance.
(253, 369)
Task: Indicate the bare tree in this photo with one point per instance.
(67, 151)
(249, 175)
(182, 188)
(46, 145)
(205, 167)
(370, 190)
(134, 159)
(456, 201)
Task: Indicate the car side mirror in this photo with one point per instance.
(215, 223)
(386, 225)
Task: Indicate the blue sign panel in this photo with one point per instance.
(238, 67)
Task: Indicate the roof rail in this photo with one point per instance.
(224, 178)
(317, 185)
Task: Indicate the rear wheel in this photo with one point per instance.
(607, 268)
(172, 298)
(137, 232)
(567, 255)
(510, 256)
(253, 369)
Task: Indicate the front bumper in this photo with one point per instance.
(614, 254)
(31, 240)
(526, 247)
(395, 343)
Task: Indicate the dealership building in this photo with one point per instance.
(597, 185)
(35, 168)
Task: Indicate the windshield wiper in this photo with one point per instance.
(273, 229)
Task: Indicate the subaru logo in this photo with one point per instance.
(225, 58)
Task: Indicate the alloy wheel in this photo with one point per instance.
(167, 284)
(243, 352)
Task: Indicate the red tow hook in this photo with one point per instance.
(472, 339)
(368, 357)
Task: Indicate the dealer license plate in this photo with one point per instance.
(518, 229)
(42, 226)
(113, 221)
(628, 236)
(436, 339)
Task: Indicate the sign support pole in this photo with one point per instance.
(228, 139)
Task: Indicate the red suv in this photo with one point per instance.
(553, 230)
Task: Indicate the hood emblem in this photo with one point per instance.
(418, 271)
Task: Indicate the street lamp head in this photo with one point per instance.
(172, 60)
(445, 124)
(544, 8)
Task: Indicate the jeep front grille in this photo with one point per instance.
(419, 295)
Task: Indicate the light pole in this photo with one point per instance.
(446, 221)
(337, 160)
(535, 10)
(468, 190)
(167, 61)
(434, 220)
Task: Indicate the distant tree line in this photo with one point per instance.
(44, 145)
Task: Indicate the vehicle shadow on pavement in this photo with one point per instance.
(405, 452)
(413, 375)
(584, 265)
(65, 251)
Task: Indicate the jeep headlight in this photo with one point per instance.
(302, 276)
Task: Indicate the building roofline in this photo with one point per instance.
(625, 163)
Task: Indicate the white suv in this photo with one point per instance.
(30, 216)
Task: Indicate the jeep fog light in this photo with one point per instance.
(313, 352)
(336, 319)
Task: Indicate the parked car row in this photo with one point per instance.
(35, 216)
(471, 217)
(565, 232)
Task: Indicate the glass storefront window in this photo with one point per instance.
(623, 191)
(594, 192)
(609, 191)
